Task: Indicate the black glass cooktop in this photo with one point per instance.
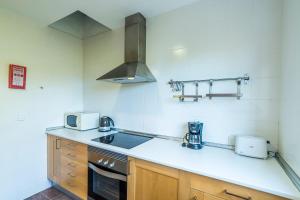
(122, 139)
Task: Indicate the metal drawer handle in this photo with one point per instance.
(195, 198)
(70, 174)
(71, 144)
(71, 165)
(71, 155)
(70, 184)
(235, 195)
(57, 143)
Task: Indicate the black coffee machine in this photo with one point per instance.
(194, 136)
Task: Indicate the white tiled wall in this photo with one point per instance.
(209, 39)
(290, 108)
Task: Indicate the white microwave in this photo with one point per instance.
(82, 121)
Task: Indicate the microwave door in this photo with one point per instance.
(72, 121)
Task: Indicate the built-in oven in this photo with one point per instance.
(107, 175)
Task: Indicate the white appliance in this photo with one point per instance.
(251, 146)
(82, 121)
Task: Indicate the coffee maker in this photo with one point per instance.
(194, 136)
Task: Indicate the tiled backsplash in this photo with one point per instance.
(226, 40)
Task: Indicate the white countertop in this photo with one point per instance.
(263, 175)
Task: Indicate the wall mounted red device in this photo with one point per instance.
(17, 77)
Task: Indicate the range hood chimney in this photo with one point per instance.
(134, 70)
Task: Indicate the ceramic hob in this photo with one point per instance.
(123, 140)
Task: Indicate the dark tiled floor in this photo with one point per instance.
(50, 194)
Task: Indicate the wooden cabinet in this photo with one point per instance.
(148, 181)
(196, 187)
(53, 158)
(68, 165)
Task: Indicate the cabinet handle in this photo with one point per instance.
(71, 175)
(71, 144)
(236, 195)
(70, 184)
(71, 165)
(195, 198)
(71, 155)
(57, 143)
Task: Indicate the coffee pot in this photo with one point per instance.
(105, 124)
(194, 136)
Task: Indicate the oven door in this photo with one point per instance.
(106, 185)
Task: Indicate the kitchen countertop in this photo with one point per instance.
(222, 164)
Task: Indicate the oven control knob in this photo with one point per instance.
(105, 163)
(100, 161)
(111, 165)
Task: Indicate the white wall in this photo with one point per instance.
(290, 106)
(54, 61)
(209, 39)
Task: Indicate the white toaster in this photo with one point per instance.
(251, 146)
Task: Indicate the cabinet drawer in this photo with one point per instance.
(74, 169)
(74, 186)
(74, 177)
(227, 191)
(71, 145)
(79, 155)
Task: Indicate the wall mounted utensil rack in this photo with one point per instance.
(179, 86)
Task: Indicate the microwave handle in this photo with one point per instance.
(78, 125)
(108, 174)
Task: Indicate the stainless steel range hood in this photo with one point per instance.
(79, 25)
(134, 70)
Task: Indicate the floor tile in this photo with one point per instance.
(50, 194)
(38, 196)
(62, 197)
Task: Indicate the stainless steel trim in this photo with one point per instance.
(149, 134)
(216, 145)
(54, 128)
(288, 170)
(178, 139)
(108, 174)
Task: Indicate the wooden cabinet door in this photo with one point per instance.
(191, 185)
(153, 182)
(53, 151)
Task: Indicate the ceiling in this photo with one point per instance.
(111, 13)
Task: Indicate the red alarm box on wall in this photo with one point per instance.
(17, 77)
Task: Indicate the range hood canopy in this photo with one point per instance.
(79, 25)
(134, 70)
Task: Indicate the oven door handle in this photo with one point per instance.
(108, 174)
